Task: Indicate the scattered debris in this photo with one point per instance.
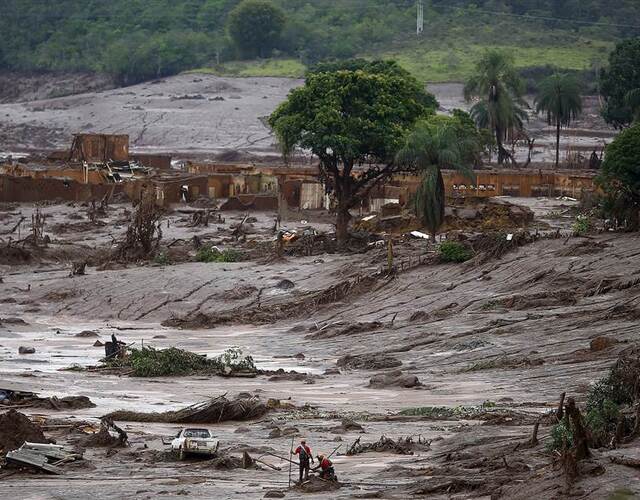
(316, 485)
(144, 234)
(15, 429)
(347, 425)
(376, 361)
(394, 379)
(22, 399)
(215, 410)
(46, 457)
(109, 435)
(401, 446)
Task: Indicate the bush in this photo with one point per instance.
(605, 404)
(453, 251)
(150, 362)
(560, 433)
(213, 254)
(620, 178)
(162, 259)
(583, 225)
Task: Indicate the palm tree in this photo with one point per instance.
(498, 89)
(559, 97)
(429, 148)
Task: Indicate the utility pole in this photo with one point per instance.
(420, 18)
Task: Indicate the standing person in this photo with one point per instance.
(304, 455)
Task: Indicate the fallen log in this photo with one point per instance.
(629, 462)
(215, 410)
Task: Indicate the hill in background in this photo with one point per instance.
(135, 40)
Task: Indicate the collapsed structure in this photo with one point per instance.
(98, 166)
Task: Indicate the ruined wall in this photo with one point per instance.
(219, 185)
(97, 148)
(157, 161)
(29, 190)
(312, 195)
(507, 183)
(72, 172)
(168, 192)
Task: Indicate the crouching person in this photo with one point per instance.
(327, 472)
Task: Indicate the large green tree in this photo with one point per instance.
(620, 177)
(633, 101)
(354, 122)
(434, 144)
(255, 26)
(497, 89)
(559, 98)
(618, 80)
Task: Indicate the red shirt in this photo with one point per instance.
(325, 464)
(306, 450)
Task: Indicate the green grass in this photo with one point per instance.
(291, 68)
(439, 63)
(455, 64)
(212, 254)
(454, 251)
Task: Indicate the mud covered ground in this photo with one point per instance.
(493, 344)
(204, 115)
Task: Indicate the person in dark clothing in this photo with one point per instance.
(304, 455)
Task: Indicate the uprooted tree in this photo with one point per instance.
(354, 120)
(143, 235)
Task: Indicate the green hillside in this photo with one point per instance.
(136, 40)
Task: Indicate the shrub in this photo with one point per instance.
(620, 178)
(605, 404)
(162, 259)
(583, 225)
(150, 362)
(213, 254)
(453, 251)
(560, 433)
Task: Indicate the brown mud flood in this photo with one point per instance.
(427, 381)
(201, 115)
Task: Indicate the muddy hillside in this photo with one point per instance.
(201, 114)
(417, 376)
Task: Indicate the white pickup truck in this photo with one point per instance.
(194, 442)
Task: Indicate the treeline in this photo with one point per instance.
(136, 40)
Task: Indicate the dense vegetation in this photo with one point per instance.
(139, 39)
(620, 178)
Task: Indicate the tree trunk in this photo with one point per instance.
(503, 154)
(342, 225)
(557, 142)
(580, 439)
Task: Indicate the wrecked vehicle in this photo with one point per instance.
(194, 442)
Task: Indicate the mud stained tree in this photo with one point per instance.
(354, 122)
